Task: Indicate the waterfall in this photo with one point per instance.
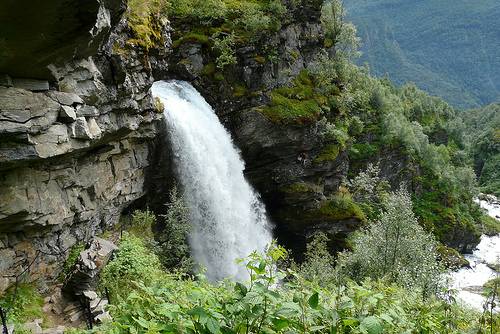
(228, 219)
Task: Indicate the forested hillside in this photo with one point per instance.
(448, 47)
(484, 136)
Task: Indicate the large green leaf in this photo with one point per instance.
(314, 300)
(372, 325)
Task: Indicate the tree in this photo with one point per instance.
(174, 248)
(396, 248)
(340, 34)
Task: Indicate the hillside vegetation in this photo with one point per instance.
(449, 48)
(484, 136)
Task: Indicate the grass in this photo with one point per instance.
(25, 304)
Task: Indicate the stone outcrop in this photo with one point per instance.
(77, 137)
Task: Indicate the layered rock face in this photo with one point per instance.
(77, 137)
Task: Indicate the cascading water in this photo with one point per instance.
(469, 281)
(229, 221)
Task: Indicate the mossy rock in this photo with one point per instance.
(340, 207)
(295, 104)
(192, 37)
(260, 59)
(301, 187)
(209, 69)
(240, 91)
(451, 257)
(329, 153)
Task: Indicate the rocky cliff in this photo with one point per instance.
(78, 129)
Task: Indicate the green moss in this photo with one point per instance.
(296, 104)
(144, 20)
(192, 37)
(219, 76)
(341, 207)
(120, 50)
(295, 54)
(301, 187)
(209, 69)
(328, 43)
(239, 91)
(329, 153)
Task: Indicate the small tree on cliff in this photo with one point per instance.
(340, 34)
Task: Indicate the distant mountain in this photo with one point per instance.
(450, 48)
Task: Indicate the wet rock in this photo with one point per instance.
(67, 99)
(4, 284)
(94, 129)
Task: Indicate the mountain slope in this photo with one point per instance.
(447, 47)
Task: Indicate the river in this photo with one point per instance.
(469, 281)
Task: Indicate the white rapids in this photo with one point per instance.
(468, 281)
(228, 219)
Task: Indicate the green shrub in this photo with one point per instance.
(396, 248)
(296, 104)
(132, 262)
(282, 301)
(71, 259)
(302, 187)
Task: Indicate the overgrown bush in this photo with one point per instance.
(280, 301)
(132, 262)
(396, 248)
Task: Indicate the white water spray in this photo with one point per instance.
(229, 221)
